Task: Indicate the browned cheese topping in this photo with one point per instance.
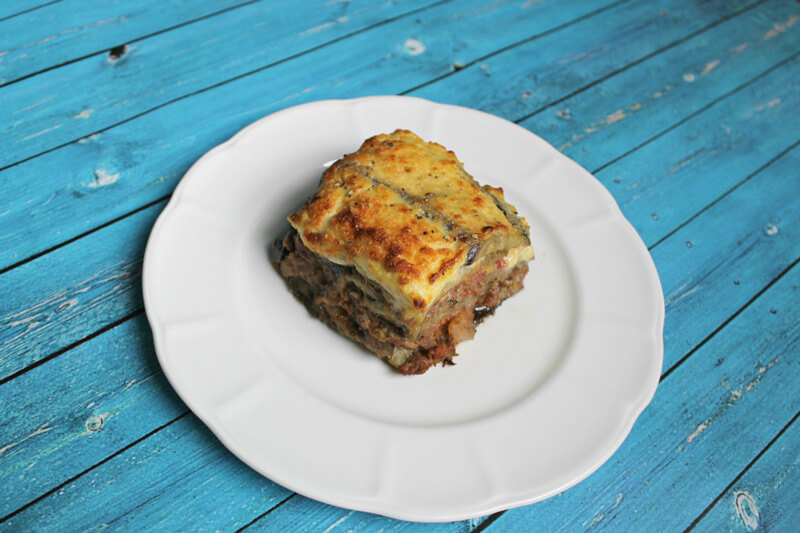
(406, 215)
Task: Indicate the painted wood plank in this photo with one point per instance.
(20, 7)
(38, 115)
(177, 467)
(750, 237)
(695, 153)
(61, 418)
(61, 297)
(766, 496)
(300, 512)
(746, 243)
(681, 81)
(706, 423)
(49, 36)
(519, 81)
(145, 169)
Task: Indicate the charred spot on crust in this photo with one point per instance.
(444, 267)
(392, 262)
(375, 234)
(419, 303)
(314, 238)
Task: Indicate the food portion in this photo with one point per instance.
(401, 250)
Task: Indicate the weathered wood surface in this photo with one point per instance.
(687, 112)
(765, 495)
(108, 90)
(59, 32)
(15, 9)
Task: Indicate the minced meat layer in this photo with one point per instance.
(360, 310)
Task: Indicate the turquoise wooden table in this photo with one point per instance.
(687, 111)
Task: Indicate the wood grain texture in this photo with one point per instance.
(60, 32)
(765, 497)
(20, 7)
(711, 157)
(164, 483)
(63, 417)
(106, 91)
(668, 87)
(703, 427)
(519, 81)
(145, 170)
(64, 296)
(749, 237)
(299, 512)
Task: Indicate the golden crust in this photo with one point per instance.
(406, 215)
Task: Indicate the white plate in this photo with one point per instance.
(543, 396)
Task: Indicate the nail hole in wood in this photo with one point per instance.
(117, 52)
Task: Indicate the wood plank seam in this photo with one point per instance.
(34, 8)
(541, 109)
(737, 474)
(726, 193)
(186, 412)
(739, 311)
(224, 82)
(154, 496)
(701, 110)
(610, 74)
(742, 473)
(100, 52)
(488, 522)
(518, 43)
(81, 235)
(72, 345)
(103, 461)
(265, 513)
(279, 62)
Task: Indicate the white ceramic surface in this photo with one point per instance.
(545, 394)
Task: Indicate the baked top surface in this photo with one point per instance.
(405, 213)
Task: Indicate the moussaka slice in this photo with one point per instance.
(401, 250)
